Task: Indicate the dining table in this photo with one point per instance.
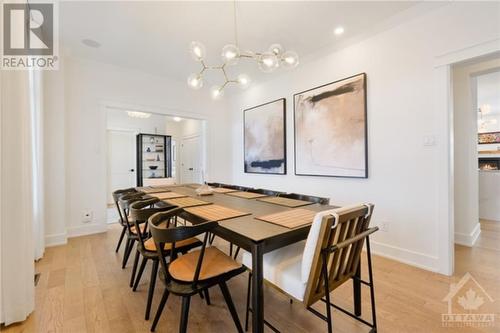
(259, 237)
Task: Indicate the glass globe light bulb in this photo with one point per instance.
(217, 92)
(197, 50)
(276, 49)
(268, 62)
(195, 81)
(243, 81)
(230, 54)
(290, 59)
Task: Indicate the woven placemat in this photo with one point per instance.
(291, 218)
(186, 202)
(247, 195)
(149, 189)
(215, 212)
(287, 202)
(223, 190)
(168, 195)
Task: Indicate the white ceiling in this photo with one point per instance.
(488, 92)
(154, 36)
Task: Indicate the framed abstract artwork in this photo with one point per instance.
(265, 138)
(331, 129)
(488, 138)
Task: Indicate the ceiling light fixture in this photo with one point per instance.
(268, 61)
(338, 31)
(138, 114)
(177, 119)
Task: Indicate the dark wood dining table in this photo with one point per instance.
(258, 237)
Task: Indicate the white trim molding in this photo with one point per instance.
(56, 239)
(87, 229)
(468, 239)
(417, 259)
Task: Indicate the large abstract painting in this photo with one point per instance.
(331, 130)
(264, 136)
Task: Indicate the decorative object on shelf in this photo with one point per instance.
(152, 163)
(153, 175)
(148, 150)
(331, 129)
(265, 138)
(268, 61)
(483, 124)
(153, 167)
(152, 140)
(158, 157)
(488, 138)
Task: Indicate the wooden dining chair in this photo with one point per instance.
(140, 211)
(116, 197)
(304, 197)
(309, 271)
(124, 203)
(195, 271)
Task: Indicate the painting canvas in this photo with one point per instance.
(264, 135)
(331, 129)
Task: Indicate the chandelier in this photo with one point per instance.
(268, 61)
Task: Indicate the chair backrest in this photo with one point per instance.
(116, 197)
(236, 187)
(124, 203)
(141, 211)
(214, 184)
(171, 234)
(338, 249)
(270, 193)
(304, 197)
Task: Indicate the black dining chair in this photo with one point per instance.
(214, 184)
(140, 211)
(236, 187)
(132, 236)
(304, 197)
(270, 193)
(116, 197)
(195, 271)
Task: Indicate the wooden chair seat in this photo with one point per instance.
(142, 227)
(150, 245)
(215, 263)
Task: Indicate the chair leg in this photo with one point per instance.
(134, 268)
(139, 274)
(152, 282)
(163, 301)
(121, 239)
(207, 296)
(130, 245)
(236, 252)
(230, 249)
(327, 295)
(186, 300)
(249, 290)
(230, 305)
(372, 287)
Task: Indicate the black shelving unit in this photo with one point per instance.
(154, 159)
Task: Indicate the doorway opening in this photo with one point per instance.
(137, 153)
(476, 106)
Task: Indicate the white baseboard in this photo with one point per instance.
(417, 259)
(56, 239)
(468, 239)
(87, 229)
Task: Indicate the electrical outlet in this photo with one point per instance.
(87, 216)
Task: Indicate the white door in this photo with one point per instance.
(191, 160)
(121, 161)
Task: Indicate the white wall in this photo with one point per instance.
(87, 87)
(403, 173)
(467, 226)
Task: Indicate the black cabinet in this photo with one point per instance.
(154, 158)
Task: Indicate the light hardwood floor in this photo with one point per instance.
(83, 289)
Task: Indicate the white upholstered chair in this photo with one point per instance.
(336, 237)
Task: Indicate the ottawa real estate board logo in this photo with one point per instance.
(30, 36)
